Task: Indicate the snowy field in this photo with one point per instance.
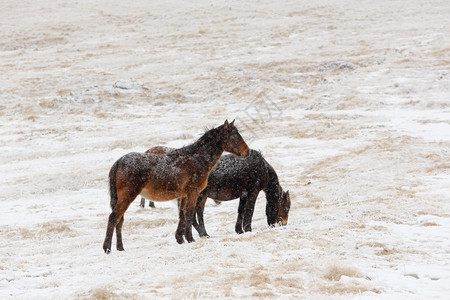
(348, 100)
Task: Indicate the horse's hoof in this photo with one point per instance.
(180, 241)
(120, 249)
(107, 251)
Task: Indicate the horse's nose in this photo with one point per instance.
(247, 152)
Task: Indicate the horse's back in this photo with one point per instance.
(144, 167)
(232, 176)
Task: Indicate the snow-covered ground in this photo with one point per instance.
(348, 100)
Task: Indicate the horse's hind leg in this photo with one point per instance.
(194, 219)
(116, 221)
(109, 232)
(142, 202)
(240, 218)
(121, 208)
(199, 208)
(119, 244)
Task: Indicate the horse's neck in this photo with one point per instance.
(207, 154)
(273, 183)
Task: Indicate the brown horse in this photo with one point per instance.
(241, 178)
(182, 173)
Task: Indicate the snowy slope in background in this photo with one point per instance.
(348, 100)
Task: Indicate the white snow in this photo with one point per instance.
(349, 101)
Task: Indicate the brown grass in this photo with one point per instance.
(259, 278)
(438, 167)
(288, 283)
(426, 224)
(374, 244)
(313, 201)
(56, 227)
(138, 225)
(355, 225)
(386, 251)
(343, 289)
(107, 294)
(335, 272)
(102, 294)
(265, 294)
(430, 213)
(44, 230)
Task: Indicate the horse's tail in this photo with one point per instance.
(112, 184)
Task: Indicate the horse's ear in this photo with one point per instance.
(232, 123)
(226, 124)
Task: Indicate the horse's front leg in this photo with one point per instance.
(182, 221)
(189, 208)
(248, 211)
(186, 214)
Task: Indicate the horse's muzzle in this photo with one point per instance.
(282, 221)
(244, 151)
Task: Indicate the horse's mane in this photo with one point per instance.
(202, 140)
(273, 176)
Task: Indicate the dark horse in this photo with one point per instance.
(182, 173)
(244, 178)
(241, 178)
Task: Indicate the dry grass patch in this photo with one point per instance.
(265, 294)
(427, 224)
(313, 201)
(335, 271)
(352, 284)
(107, 294)
(355, 225)
(343, 289)
(291, 283)
(147, 224)
(438, 167)
(56, 227)
(386, 251)
(45, 230)
(259, 277)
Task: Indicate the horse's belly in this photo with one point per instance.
(223, 194)
(157, 195)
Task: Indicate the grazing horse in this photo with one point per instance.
(244, 178)
(182, 173)
(241, 178)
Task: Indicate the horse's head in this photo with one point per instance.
(285, 206)
(233, 142)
